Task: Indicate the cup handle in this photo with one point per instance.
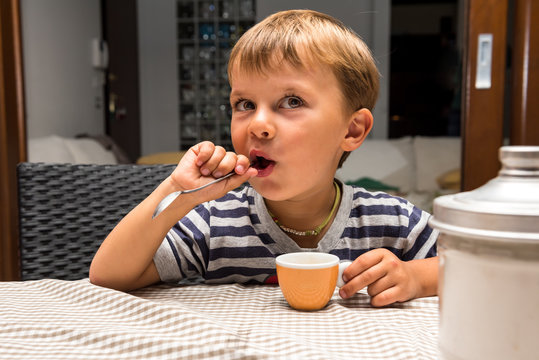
(342, 266)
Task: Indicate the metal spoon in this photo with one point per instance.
(171, 197)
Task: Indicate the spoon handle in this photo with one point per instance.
(163, 204)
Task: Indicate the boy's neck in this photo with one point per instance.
(307, 242)
(305, 215)
(311, 242)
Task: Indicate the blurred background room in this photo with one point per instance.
(125, 81)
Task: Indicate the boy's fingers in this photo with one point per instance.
(240, 179)
(226, 165)
(218, 190)
(234, 162)
(365, 278)
(380, 285)
(362, 263)
(203, 152)
(242, 164)
(387, 297)
(214, 161)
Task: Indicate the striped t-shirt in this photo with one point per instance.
(234, 238)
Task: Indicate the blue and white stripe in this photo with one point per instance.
(234, 239)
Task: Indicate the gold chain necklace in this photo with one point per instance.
(319, 228)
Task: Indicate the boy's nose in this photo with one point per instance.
(261, 125)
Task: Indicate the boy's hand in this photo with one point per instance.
(205, 162)
(389, 279)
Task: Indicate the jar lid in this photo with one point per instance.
(505, 208)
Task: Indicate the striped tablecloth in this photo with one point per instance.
(54, 319)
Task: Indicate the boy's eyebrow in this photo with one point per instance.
(284, 90)
(235, 93)
(296, 88)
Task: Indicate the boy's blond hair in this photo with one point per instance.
(303, 37)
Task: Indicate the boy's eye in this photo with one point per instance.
(291, 102)
(244, 105)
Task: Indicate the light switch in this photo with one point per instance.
(484, 62)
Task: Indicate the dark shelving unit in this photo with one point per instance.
(206, 31)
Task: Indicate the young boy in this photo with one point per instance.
(303, 87)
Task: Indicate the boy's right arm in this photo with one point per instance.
(125, 259)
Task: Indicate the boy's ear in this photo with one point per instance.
(359, 126)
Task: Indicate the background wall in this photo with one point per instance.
(158, 70)
(64, 93)
(158, 75)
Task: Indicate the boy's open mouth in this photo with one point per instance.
(261, 163)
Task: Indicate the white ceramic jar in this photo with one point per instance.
(489, 263)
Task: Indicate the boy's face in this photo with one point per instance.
(291, 122)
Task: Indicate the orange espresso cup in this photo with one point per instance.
(307, 279)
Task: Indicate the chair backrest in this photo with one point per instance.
(67, 210)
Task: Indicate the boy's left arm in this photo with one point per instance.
(389, 279)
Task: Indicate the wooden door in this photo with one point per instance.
(525, 74)
(483, 109)
(482, 106)
(122, 115)
(12, 135)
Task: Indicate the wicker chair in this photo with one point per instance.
(67, 210)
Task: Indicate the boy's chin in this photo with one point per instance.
(266, 189)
